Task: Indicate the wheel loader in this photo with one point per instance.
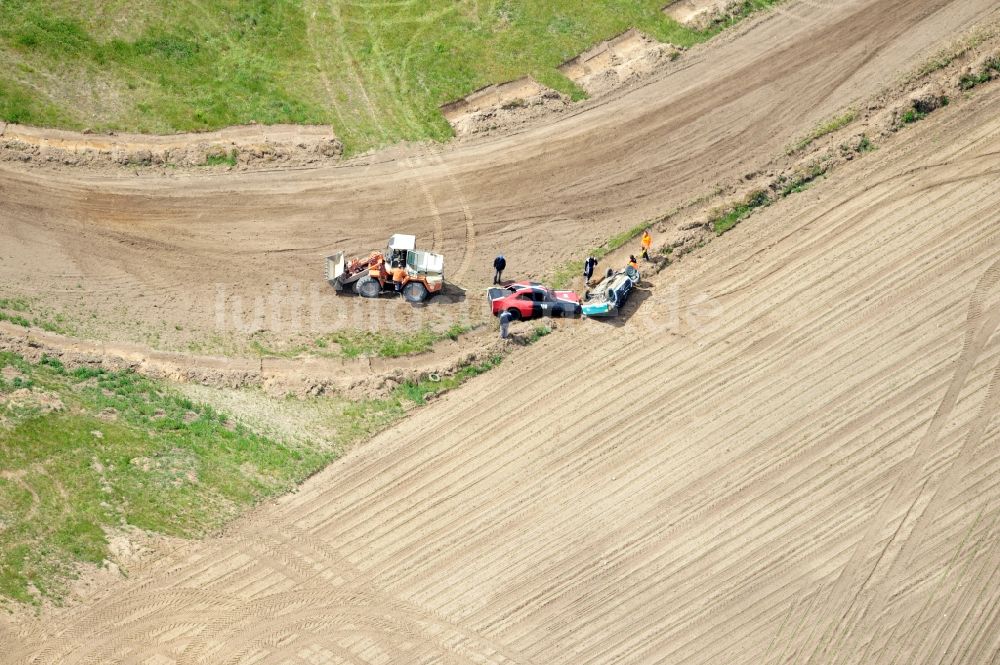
(400, 268)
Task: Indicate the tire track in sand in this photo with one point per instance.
(980, 327)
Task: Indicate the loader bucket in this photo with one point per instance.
(335, 269)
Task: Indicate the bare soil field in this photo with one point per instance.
(615, 62)
(185, 257)
(499, 106)
(785, 451)
(789, 453)
(697, 13)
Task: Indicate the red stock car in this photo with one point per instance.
(530, 300)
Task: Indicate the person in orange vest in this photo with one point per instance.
(398, 275)
(647, 242)
(632, 261)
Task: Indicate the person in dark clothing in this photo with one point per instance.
(499, 263)
(588, 268)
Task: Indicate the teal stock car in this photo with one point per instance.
(610, 294)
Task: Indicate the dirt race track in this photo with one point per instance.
(787, 454)
(156, 251)
(801, 468)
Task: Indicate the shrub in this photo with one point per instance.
(912, 115)
(221, 157)
(969, 80)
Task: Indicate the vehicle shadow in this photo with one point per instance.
(449, 295)
(638, 296)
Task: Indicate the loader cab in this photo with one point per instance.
(400, 245)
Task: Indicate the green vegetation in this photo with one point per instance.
(16, 319)
(912, 115)
(540, 331)
(822, 130)
(377, 72)
(856, 145)
(14, 304)
(222, 158)
(19, 312)
(970, 80)
(802, 180)
(19, 104)
(949, 54)
(416, 392)
(358, 343)
(726, 219)
(920, 109)
(360, 420)
(353, 344)
(85, 451)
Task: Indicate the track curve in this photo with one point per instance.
(130, 255)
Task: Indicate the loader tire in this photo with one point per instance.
(368, 287)
(415, 292)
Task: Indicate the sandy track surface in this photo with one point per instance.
(788, 453)
(162, 252)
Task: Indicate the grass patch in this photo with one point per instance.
(21, 104)
(19, 312)
(416, 392)
(822, 130)
(801, 181)
(726, 219)
(949, 54)
(539, 331)
(360, 420)
(353, 344)
(16, 319)
(222, 158)
(376, 72)
(362, 343)
(86, 450)
(14, 304)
